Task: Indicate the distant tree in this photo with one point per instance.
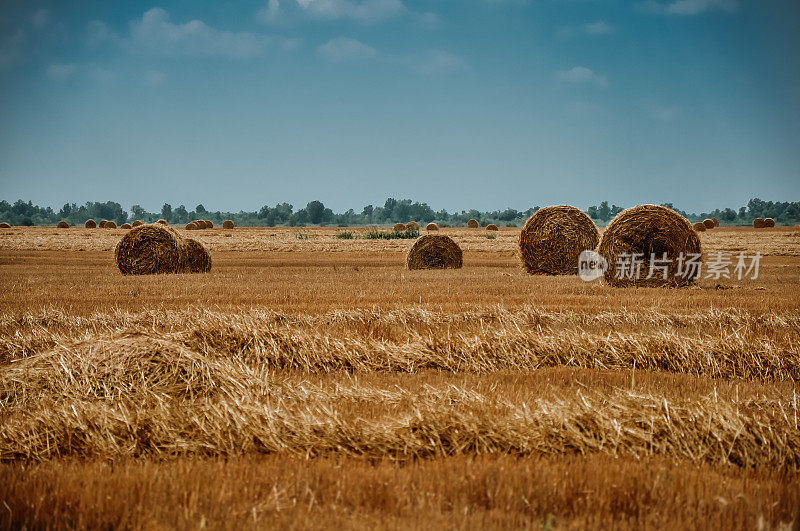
(138, 212)
(200, 209)
(180, 214)
(603, 211)
(367, 211)
(592, 212)
(166, 212)
(316, 212)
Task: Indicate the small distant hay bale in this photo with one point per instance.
(192, 225)
(491, 226)
(201, 224)
(759, 223)
(62, 225)
(126, 226)
(197, 258)
(137, 223)
(399, 227)
(699, 227)
(150, 250)
(228, 224)
(209, 224)
(5, 225)
(473, 224)
(553, 238)
(709, 223)
(716, 222)
(432, 226)
(434, 251)
(646, 231)
(90, 224)
(769, 222)
(110, 225)
(102, 223)
(412, 225)
(162, 221)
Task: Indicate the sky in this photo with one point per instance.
(462, 104)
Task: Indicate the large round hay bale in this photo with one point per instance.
(137, 223)
(150, 250)
(228, 224)
(699, 227)
(126, 226)
(491, 226)
(90, 224)
(709, 223)
(399, 227)
(110, 225)
(716, 222)
(769, 222)
(62, 225)
(197, 258)
(412, 225)
(759, 223)
(434, 251)
(553, 238)
(5, 225)
(432, 226)
(162, 221)
(473, 224)
(639, 234)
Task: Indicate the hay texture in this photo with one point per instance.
(90, 224)
(192, 225)
(644, 231)
(228, 224)
(432, 226)
(62, 225)
(110, 225)
(209, 224)
(491, 226)
(5, 225)
(197, 258)
(473, 224)
(699, 227)
(151, 249)
(162, 221)
(399, 227)
(126, 226)
(769, 222)
(434, 251)
(709, 223)
(759, 223)
(138, 223)
(553, 238)
(412, 225)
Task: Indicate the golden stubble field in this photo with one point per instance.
(309, 381)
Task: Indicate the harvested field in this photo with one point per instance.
(319, 380)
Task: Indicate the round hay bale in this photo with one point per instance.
(645, 231)
(162, 221)
(716, 222)
(491, 226)
(197, 258)
(412, 225)
(769, 222)
(699, 227)
(126, 226)
(434, 251)
(192, 225)
(228, 224)
(473, 224)
(137, 223)
(202, 224)
(110, 225)
(209, 224)
(102, 223)
(553, 238)
(5, 225)
(90, 224)
(150, 250)
(399, 227)
(432, 226)
(759, 223)
(62, 225)
(709, 223)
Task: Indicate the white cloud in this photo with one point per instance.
(154, 78)
(580, 75)
(363, 11)
(155, 33)
(438, 61)
(40, 18)
(691, 7)
(97, 33)
(60, 71)
(345, 49)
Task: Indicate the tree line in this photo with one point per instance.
(392, 211)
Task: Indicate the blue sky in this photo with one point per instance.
(460, 103)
